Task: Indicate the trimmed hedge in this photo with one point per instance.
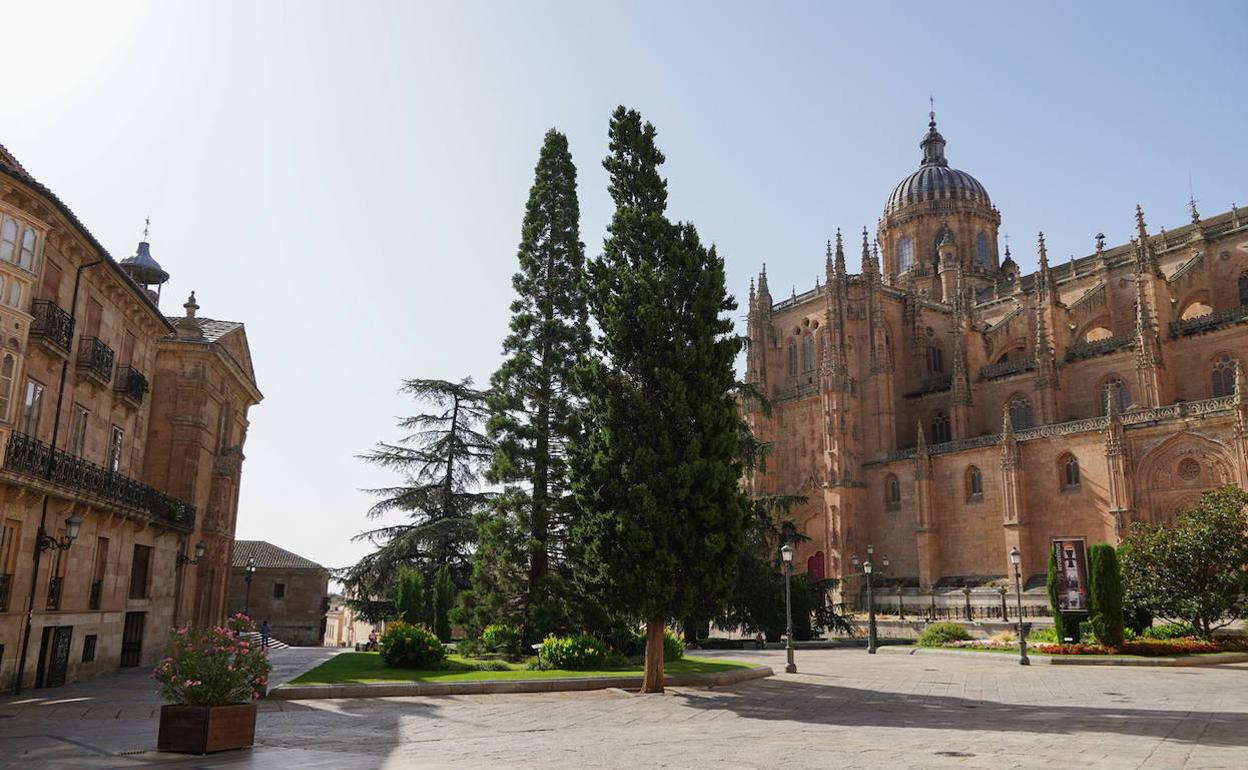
(406, 646)
(572, 653)
(1105, 595)
(939, 634)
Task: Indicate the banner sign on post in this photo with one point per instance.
(1072, 574)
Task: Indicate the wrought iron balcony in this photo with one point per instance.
(27, 455)
(1006, 368)
(52, 325)
(5, 582)
(97, 593)
(96, 359)
(131, 384)
(55, 584)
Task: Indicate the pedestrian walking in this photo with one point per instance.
(264, 634)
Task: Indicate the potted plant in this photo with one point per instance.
(211, 678)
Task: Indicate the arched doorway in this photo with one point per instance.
(1173, 475)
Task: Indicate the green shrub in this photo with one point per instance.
(572, 653)
(938, 634)
(1043, 635)
(406, 646)
(1105, 594)
(1170, 631)
(443, 601)
(502, 638)
(673, 647)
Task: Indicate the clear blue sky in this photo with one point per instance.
(349, 178)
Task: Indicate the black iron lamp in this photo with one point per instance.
(73, 523)
(200, 549)
(1016, 559)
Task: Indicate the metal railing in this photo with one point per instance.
(55, 584)
(5, 582)
(52, 324)
(96, 596)
(95, 358)
(27, 455)
(131, 383)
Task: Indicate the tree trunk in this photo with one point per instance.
(653, 679)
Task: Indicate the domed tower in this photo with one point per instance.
(144, 270)
(936, 218)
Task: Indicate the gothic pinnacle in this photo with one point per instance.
(1140, 226)
(840, 253)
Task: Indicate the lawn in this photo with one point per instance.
(366, 667)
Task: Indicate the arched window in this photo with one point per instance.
(1115, 388)
(905, 254)
(7, 365)
(892, 493)
(1223, 376)
(814, 566)
(1020, 412)
(8, 239)
(981, 250)
(808, 353)
(792, 359)
(1197, 308)
(27, 258)
(1068, 467)
(1243, 289)
(940, 428)
(974, 484)
(935, 359)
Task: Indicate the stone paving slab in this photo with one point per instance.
(844, 709)
(1041, 659)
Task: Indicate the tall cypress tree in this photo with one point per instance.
(656, 472)
(534, 409)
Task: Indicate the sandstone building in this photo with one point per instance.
(289, 591)
(120, 426)
(945, 408)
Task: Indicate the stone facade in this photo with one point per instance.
(289, 591)
(152, 413)
(945, 409)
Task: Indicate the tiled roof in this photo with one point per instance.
(269, 556)
(213, 330)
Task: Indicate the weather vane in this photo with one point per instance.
(147, 223)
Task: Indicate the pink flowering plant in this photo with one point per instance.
(214, 666)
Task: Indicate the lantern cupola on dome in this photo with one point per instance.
(143, 268)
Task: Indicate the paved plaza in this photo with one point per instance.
(845, 709)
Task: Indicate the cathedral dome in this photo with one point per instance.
(935, 180)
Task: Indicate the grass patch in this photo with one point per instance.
(368, 667)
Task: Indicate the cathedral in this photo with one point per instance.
(945, 409)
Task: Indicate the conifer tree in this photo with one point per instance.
(409, 598)
(533, 411)
(443, 598)
(441, 462)
(656, 473)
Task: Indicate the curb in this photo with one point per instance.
(485, 687)
(1038, 658)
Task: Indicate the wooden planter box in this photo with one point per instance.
(206, 729)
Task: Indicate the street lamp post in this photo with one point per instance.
(1016, 559)
(868, 569)
(247, 576)
(787, 554)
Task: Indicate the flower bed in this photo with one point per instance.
(1141, 647)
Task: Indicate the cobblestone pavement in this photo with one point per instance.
(845, 709)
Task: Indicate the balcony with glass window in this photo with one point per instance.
(95, 360)
(52, 327)
(6, 583)
(96, 596)
(131, 385)
(59, 473)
